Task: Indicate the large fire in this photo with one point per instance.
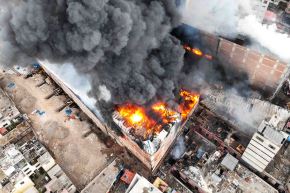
(164, 112)
(157, 115)
(135, 115)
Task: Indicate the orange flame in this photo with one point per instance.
(136, 116)
(197, 52)
(164, 112)
(190, 100)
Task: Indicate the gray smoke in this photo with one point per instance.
(179, 148)
(232, 17)
(216, 16)
(123, 45)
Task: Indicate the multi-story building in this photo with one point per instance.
(260, 7)
(29, 166)
(264, 145)
(9, 114)
(25, 164)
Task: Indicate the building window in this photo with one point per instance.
(259, 138)
(272, 147)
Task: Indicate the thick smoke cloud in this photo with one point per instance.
(216, 16)
(124, 45)
(232, 17)
(266, 36)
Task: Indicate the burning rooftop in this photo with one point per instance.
(147, 132)
(153, 124)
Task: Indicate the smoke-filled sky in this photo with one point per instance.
(124, 46)
(232, 17)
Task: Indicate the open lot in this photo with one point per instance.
(81, 153)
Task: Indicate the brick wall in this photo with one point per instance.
(263, 71)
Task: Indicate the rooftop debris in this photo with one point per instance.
(157, 115)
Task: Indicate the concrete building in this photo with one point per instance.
(10, 159)
(151, 161)
(105, 180)
(224, 175)
(263, 72)
(260, 7)
(13, 124)
(59, 181)
(230, 162)
(260, 152)
(30, 166)
(24, 186)
(141, 184)
(264, 145)
(8, 112)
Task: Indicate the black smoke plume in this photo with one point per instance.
(123, 44)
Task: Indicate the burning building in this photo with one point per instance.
(153, 125)
(119, 45)
(147, 132)
(108, 51)
(264, 73)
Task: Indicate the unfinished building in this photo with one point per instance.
(156, 135)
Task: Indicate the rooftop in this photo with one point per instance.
(141, 184)
(244, 180)
(104, 181)
(230, 162)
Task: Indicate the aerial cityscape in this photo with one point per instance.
(145, 96)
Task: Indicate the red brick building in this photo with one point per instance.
(264, 72)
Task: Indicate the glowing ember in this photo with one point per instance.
(196, 51)
(157, 115)
(209, 57)
(187, 48)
